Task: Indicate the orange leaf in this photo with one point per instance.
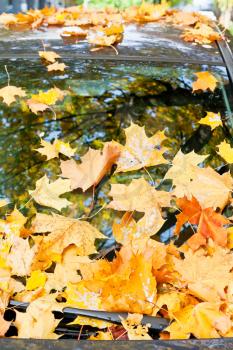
(205, 81)
(210, 224)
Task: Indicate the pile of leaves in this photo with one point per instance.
(105, 27)
(51, 261)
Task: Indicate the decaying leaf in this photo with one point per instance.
(205, 81)
(48, 194)
(9, 93)
(94, 165)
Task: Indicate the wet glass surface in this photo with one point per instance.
(160, 42)
(103, 99)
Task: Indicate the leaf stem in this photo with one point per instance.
(8, 76)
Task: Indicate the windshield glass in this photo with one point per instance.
(103, 99)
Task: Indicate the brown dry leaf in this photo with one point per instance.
(52, 150)
(63, 233)
(135, 330)
(140, 150)
(48, 194)
(9, 93)
(206, 277)
(54, 67)
(49, 56)
(94, 165)
(205, 81)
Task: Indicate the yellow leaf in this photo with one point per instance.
(38, 321)
(36, 280)
(212, 119)
(56, 67)
(52, 150)
(48, 194)
(63, 233)
(139, 195)
(226, 151)
(3, 202)
(49, 97)
(205, 81)
(9, 93)
(49, 56)
(94, 165)
(135, 330)
(206, 277)
(182, 169)
(140, 150)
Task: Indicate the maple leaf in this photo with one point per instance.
(210, 224)
(36, 280)
(201, 34)
(48, 194)
(226, 151)
(210, 188)
(21, 257)
(94, 165)
(205, 320)
(43, 100)
(212, 119)
(104, 40)
(128, 231)
(184, 18)
(52, 150)
(135, 330)
(205, 81)
(13, 225)
(139, 196)
(49, 56)
(9, 93)
(65, 271)
(63, 233)
(206, 277)
(140, 150)
(182, 170)
(36, 106)
(56, 67)
(38, 321)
